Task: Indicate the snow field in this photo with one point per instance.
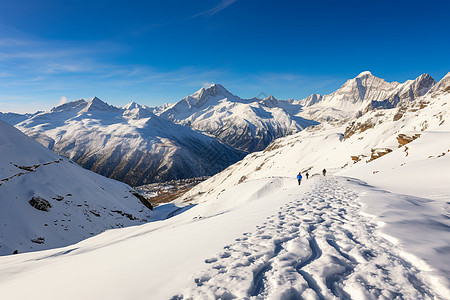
(318, 246)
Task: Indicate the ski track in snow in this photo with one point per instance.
(316, 247)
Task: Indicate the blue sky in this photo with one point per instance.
(160, 51)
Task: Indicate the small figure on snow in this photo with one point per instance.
(324, 172)
(299, 177)
(307, 175)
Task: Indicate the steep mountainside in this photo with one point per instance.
(129, 144)
(48, 201)
(245, 124)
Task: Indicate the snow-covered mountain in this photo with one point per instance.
(363, 93)
(375, 227)
(245, 124)
(48, 201)
(129, 144)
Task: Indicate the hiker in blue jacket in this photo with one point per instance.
(299, 177)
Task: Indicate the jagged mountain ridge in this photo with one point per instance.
(363, 93)
(246, 124)
(48, 201)
(128, 144)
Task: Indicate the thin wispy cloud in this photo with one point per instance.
(210, 12)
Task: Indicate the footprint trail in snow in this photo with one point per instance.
(316, 247)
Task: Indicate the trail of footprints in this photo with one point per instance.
(318, 247)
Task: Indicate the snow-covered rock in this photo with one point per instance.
(48, 201)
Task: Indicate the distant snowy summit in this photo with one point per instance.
(364, 92)
(245, 124)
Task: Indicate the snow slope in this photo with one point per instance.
(245, 124)
(266, 238)
(129, 144)
(70, 203)
(253, 233)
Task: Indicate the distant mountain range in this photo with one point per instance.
(129, 144)
(202, 133)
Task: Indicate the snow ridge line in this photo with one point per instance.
(319, 246)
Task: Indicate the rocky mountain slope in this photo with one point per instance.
(245, 124)
(48, 201)
(129, 144)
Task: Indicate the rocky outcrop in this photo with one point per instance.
(357, 127)
(40, 203)
(404, 139)
(378, 152)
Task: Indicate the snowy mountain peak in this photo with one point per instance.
(215, 92)
(132, 105)
(95, 104)
(443, 85)
(271, 98)
(216, 89)
(364, 74)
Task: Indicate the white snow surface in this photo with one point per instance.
(82, 203)
(374, 229)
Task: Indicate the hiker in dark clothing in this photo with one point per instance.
(307, 175)
(324, 172)
(299, 178)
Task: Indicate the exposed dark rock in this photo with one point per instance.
(143, 200)
(39, 240)
(40, 203)
(124, 214)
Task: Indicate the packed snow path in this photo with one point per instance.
(317, 247)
